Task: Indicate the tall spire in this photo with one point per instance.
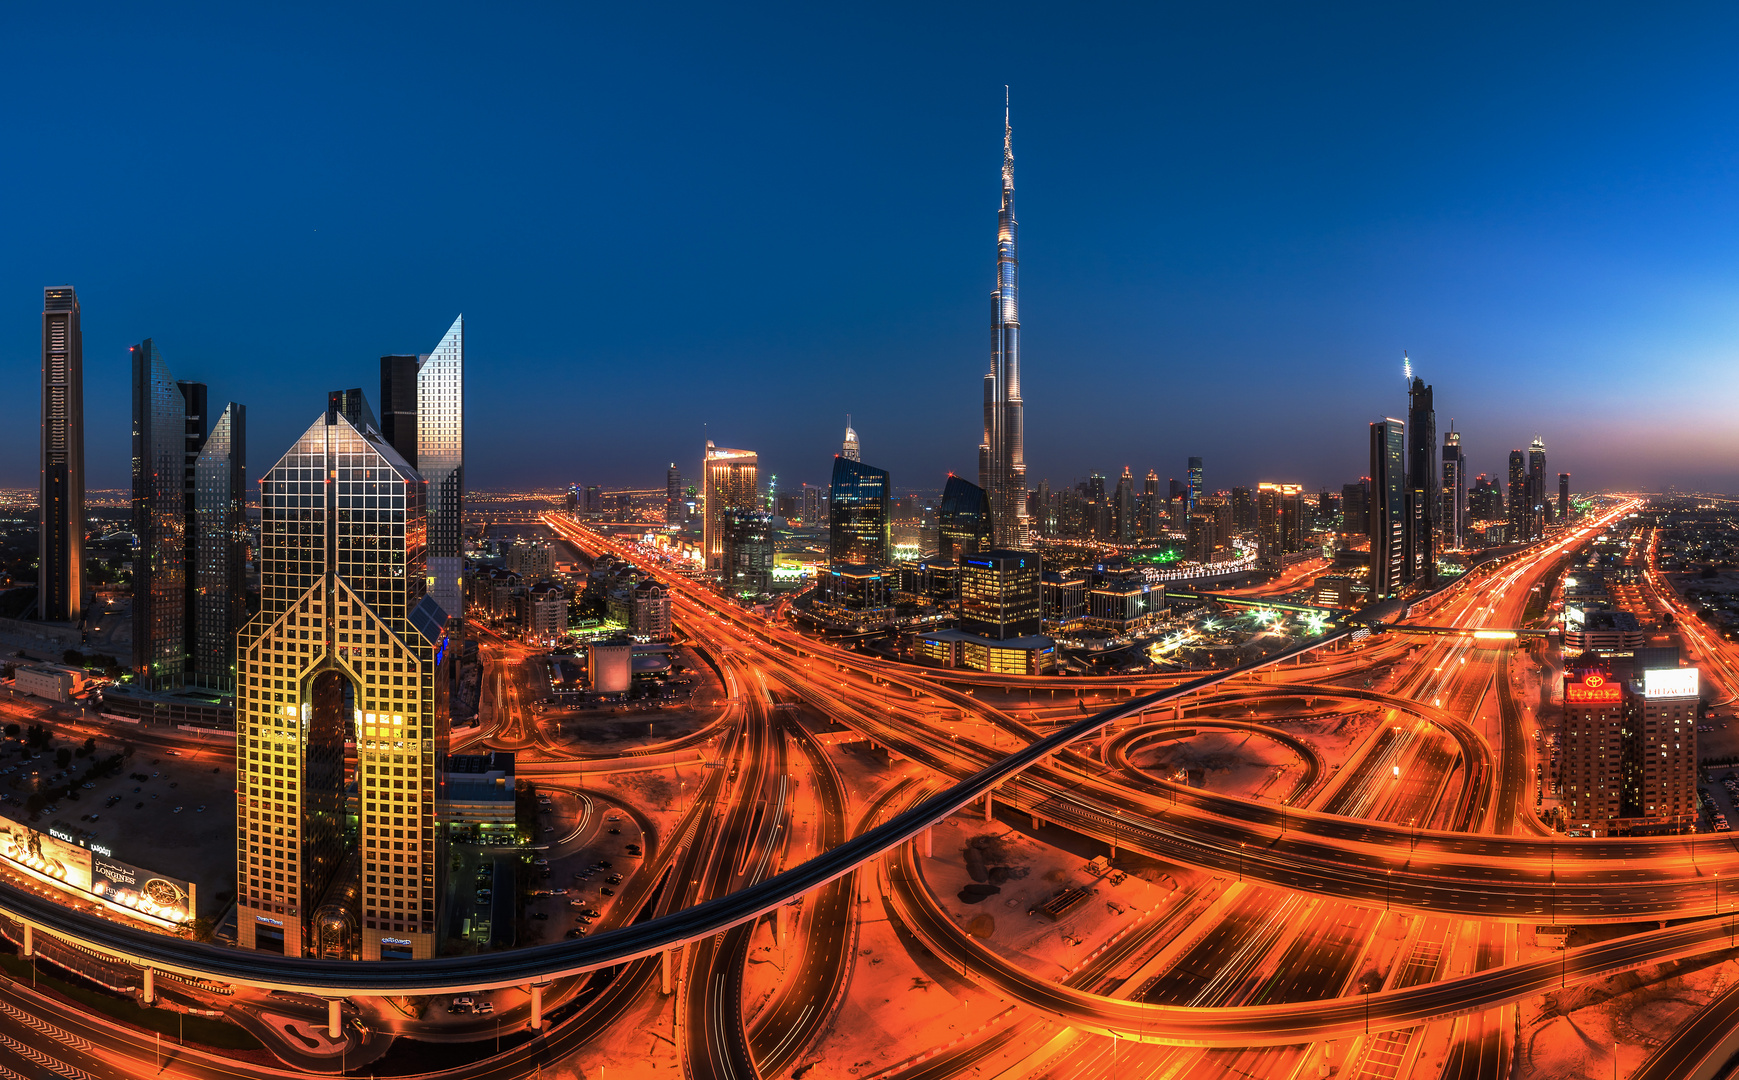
(1007, 154)
(1002, 453)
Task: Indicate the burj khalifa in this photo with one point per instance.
(1002, 453)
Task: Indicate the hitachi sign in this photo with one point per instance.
(1670, 683)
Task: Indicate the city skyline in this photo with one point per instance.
(1462, 265)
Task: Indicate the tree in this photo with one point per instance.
(63, 757)
(90, 747)
(72, 658)
(12, 731)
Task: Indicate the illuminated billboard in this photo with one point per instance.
(1592, 689)
(47, 855)
(142, 890)
(1670, 683)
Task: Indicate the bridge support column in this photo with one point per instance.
(989, 802)
(150, 992)
(536, 1023)
(664, 972)
(929, 843)
(334, 1017)
(778, 924)
(29, 941)
(1038, 822)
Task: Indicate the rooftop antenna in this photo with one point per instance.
(1406, 366)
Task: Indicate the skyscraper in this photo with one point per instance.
(61, 540)
(1353, 508)
(1388, 508)
(732, 482)
(1123, 507)
(859, 522)
(965, 521)
(1193, 493)
(747, 558)
(850, 450)
(1454, 519)
(1278, 528)
(220, 548)
(1422, 492)
(1152, 507)
(1537, 508)
(673, 497)
(196, 419)
(1243, 509)
(1521, 513)
(1002, 453)
(1563, 496)
(159, 523)
(440, 460)
(398, 403)
(347, 644)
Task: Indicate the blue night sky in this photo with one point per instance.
(1234, 219)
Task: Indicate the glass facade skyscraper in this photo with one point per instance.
(1422, 497)
(964, 520)
(220, 545)
(860, 526)
(440, 418)
(61, 540)
(1388, 508)
(159, 523)
(347, 644)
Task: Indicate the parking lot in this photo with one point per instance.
(168, 810)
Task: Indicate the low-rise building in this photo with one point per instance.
(53, 682)
(1030, 655)
(477, 793)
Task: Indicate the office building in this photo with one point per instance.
(61, 539)
(850, 450)
(1000, 596)
(855, 594)
(1422, 492)
(1152, 507)
(1279, 523)
(673, 512)
(1453, 518)
(1099, 517)
(1539, 509)
(347, 644)
(1124, 602)
(746, 552)
(1659, 791)
(1485, 499)
(1591, 746)
(1354, 513)
(1563, 496)
(1520, 501)
(1123, 508)
(220, 551)
(159, 523)
(1243, 510)
(964, 521)
(1388, 507)
(1002, 452)
(859, 515)
(440, 460)
(732, 484)
(398, 403)
(1064, 599)
(1193, 493)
